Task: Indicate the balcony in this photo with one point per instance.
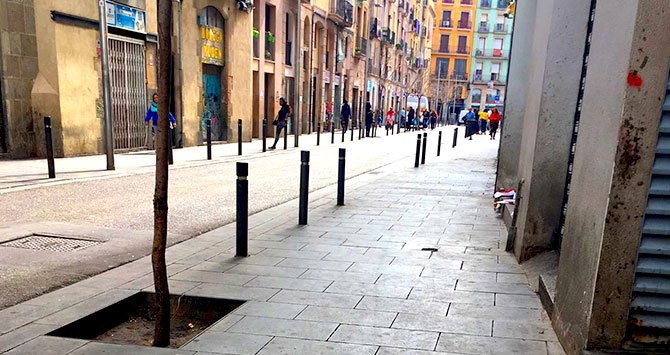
(443, 49)
(491, 53)
(500, 28)
(446, 24)
(388, 36)
(464, 24)
(485, 3)
(483, 27)
(462, 50)
(361, 49)
(459, 76)
(342, 12)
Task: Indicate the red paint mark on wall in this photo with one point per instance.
(634, 80)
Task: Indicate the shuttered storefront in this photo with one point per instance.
(127, 70)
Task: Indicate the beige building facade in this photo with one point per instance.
(223, 59)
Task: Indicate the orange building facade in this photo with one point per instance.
(452, 50)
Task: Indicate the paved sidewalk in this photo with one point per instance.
(354, 281)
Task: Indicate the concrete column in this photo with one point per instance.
(614, 157)
(319, 114)
(555, 70)
(515, 102)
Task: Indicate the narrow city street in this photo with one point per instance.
(116, 208)
(356, 280)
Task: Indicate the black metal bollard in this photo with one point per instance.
(360, 129)
(318, 133)
(50, 147)
(418, 150)
(455, 137)
(304, 187)
(170, 159)
(332, 132)
(343, 133)
(439, 142)
(423, 149)
(351, 128)
(209, 139)
(242, 218)
(392, 128)
(340, 177)
(398, 128)
(265, 134)
(239, 136)
(286, 135)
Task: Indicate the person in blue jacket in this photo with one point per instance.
(152, 115)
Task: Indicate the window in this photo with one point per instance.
(446, 19)
(495, 71)
(460, 71)
(479, 69)
(497, 47)
(463, 44)
(442, 68)
(500, 24)
(464, 22)
(502, 4)
(484, 3)
(444, 44)
(476, 96)
(481, 43)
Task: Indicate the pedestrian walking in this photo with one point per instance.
(483, 120)
(369, 118)
(280, 120)
(494, 122)
(152, 115)
(470, 124)
(410, 119)
(426, 118)
(345, 113)
(403, 118)
(390, 118)
(433, 119)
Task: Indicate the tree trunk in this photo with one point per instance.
(162, 306)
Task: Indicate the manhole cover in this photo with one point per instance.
(50, 243)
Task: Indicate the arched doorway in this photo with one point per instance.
(214, 105)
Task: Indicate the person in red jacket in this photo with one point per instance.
(494, 122)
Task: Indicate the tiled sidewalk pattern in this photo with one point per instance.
(355, 281)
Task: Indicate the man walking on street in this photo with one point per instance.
(369, 117)
(345, 113)
(280, 121)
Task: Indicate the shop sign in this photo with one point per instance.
(212, 45)
(126, 17)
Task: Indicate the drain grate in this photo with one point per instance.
(50, 243)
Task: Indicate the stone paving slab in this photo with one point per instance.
(354, 281)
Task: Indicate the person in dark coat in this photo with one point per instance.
(345, 114)
(471, 124)
(369, 118)
(281, 120)
(433, 119)
(410, 119)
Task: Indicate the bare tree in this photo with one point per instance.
(162, 306)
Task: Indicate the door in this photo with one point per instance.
(465, 20)
(336, 105)
(462, 44)
(211, 82)
(444, 43)
(128, 91)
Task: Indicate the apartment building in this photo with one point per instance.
(490, 57)
(452, 52)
